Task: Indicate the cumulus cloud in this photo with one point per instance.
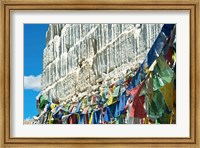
(28, 118)
(32, 82)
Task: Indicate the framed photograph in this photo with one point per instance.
(99, 72)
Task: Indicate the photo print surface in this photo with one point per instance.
(99, 74)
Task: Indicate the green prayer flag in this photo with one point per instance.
(164, 119)
(120, 119)
(157, 105)
(162, 73)
(116, 91)
(43, 101)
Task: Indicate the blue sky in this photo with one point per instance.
(34, 44)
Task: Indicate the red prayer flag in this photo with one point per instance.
(136, 91)
(168, 56)
(137, 109)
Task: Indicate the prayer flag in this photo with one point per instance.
(162, 73)
(168, 92)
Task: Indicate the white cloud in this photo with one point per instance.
(28, 118)
(32, 82)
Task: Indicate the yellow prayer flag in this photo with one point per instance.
(91, 117)
(101, 92)
(168, 94)
(110, 99)
(174, 102)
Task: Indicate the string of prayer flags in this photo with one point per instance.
(153, 53)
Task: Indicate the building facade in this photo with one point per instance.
(78, 56)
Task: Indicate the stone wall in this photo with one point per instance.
(78, 55)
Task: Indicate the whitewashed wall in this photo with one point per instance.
(105, 51)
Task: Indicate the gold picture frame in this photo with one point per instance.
(7, 6)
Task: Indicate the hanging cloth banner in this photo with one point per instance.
(162, 73)
(43, 101)
(135, 93)
(91, 118)
(81, 119)
(157, 105)
(116, 91)
(107, 115)
(168, 94)
(138, 108)
(122, 103)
